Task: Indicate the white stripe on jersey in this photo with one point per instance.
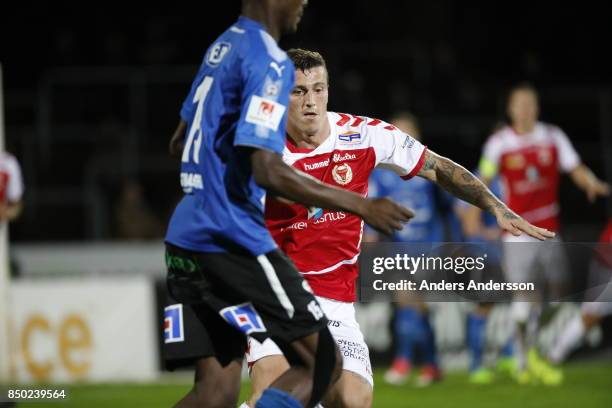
(237, 30)
(277, 287)
(272, 47)
(333, 267)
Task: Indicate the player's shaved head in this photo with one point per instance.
(278, 16)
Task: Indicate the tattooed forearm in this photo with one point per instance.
(461, 183)
(430, 162)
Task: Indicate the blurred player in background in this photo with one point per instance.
(342, 150)
(226, 277)
(599, 294)
(529, 155)
(481, 228)
(11, 188)
(11, 196)
(412, 327)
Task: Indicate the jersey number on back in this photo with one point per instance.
(195, 132)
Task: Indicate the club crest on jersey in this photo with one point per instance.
(515, 162)
(349, 138)
(342, 174)
(244, 317)
(173, 324)
(271, 88)
(217, 53)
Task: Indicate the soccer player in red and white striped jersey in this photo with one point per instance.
(342, 150)
(529, 157)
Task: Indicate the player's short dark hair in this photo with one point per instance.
(306, 59)
(521, 86)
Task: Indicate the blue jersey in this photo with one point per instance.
(419, 195)
(488, 220)
(237, 102)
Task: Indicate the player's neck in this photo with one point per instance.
(523, 128)
(306, 140)
(263, 16)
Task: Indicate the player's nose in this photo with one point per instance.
(309, 100)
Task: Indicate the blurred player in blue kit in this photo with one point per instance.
(481, 228)
(412, 326)
(226, 277)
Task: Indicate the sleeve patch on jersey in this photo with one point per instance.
(217, 53)
(173, 324)
(243, 317)
(265, 112)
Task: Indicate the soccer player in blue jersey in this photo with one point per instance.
(226, 277)
(412, 326)
(481, 228)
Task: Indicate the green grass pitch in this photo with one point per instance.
(587, 385)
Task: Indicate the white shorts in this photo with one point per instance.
(345, 330)
(524, 257)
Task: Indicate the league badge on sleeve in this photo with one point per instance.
(173, 324)
(244, 317)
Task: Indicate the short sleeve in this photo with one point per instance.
(568, 157)
(265, 96)
(396, 150)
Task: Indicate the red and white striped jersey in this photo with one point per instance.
(324, 245)
(529, 167)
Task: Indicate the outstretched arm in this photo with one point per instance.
(462, 184)
(584, 178)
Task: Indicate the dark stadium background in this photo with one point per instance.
(92, 91)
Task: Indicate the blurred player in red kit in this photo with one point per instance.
(11, 187)
(529, 156)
